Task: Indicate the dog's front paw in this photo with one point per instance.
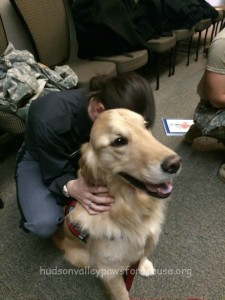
(146, 267)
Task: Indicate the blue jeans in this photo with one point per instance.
(41, 214)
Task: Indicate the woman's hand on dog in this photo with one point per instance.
(93, 199)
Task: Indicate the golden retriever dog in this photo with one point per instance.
(138, 170)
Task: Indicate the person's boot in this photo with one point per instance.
(206, 143)
(193, 133)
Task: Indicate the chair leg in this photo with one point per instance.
(158, 65)
(172, 62)
(197, 46)
(213, 32)
(189, 50)
(221, 24)
(217, 26)
(206, 33)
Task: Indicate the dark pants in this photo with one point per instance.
(41, 214)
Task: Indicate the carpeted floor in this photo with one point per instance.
(190, 257)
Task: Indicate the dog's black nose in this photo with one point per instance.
(171, 164)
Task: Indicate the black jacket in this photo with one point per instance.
(185, 14)
(57, 125)
(106, 27)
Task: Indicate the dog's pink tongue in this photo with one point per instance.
(163, 188)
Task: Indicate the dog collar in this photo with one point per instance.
(75, 228)
(83, 235)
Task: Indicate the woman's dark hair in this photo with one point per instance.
(127, 90)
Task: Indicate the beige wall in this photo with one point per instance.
(216, 2)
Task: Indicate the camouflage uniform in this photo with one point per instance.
(210, 120)
(22, 80)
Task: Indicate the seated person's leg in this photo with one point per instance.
(209, 121)
(41, 214)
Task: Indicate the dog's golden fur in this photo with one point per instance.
(120, 143)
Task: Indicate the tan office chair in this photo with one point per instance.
(183, 35)
(127, 62)
(9, 122)
(217, 24)
(202, 25)
(222, 22)
(3, 38)
(159, 46)
(47, 24)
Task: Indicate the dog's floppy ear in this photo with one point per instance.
(89, 166)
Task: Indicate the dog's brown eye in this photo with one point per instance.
(119, 142)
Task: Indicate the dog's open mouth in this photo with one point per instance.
(162, 190)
